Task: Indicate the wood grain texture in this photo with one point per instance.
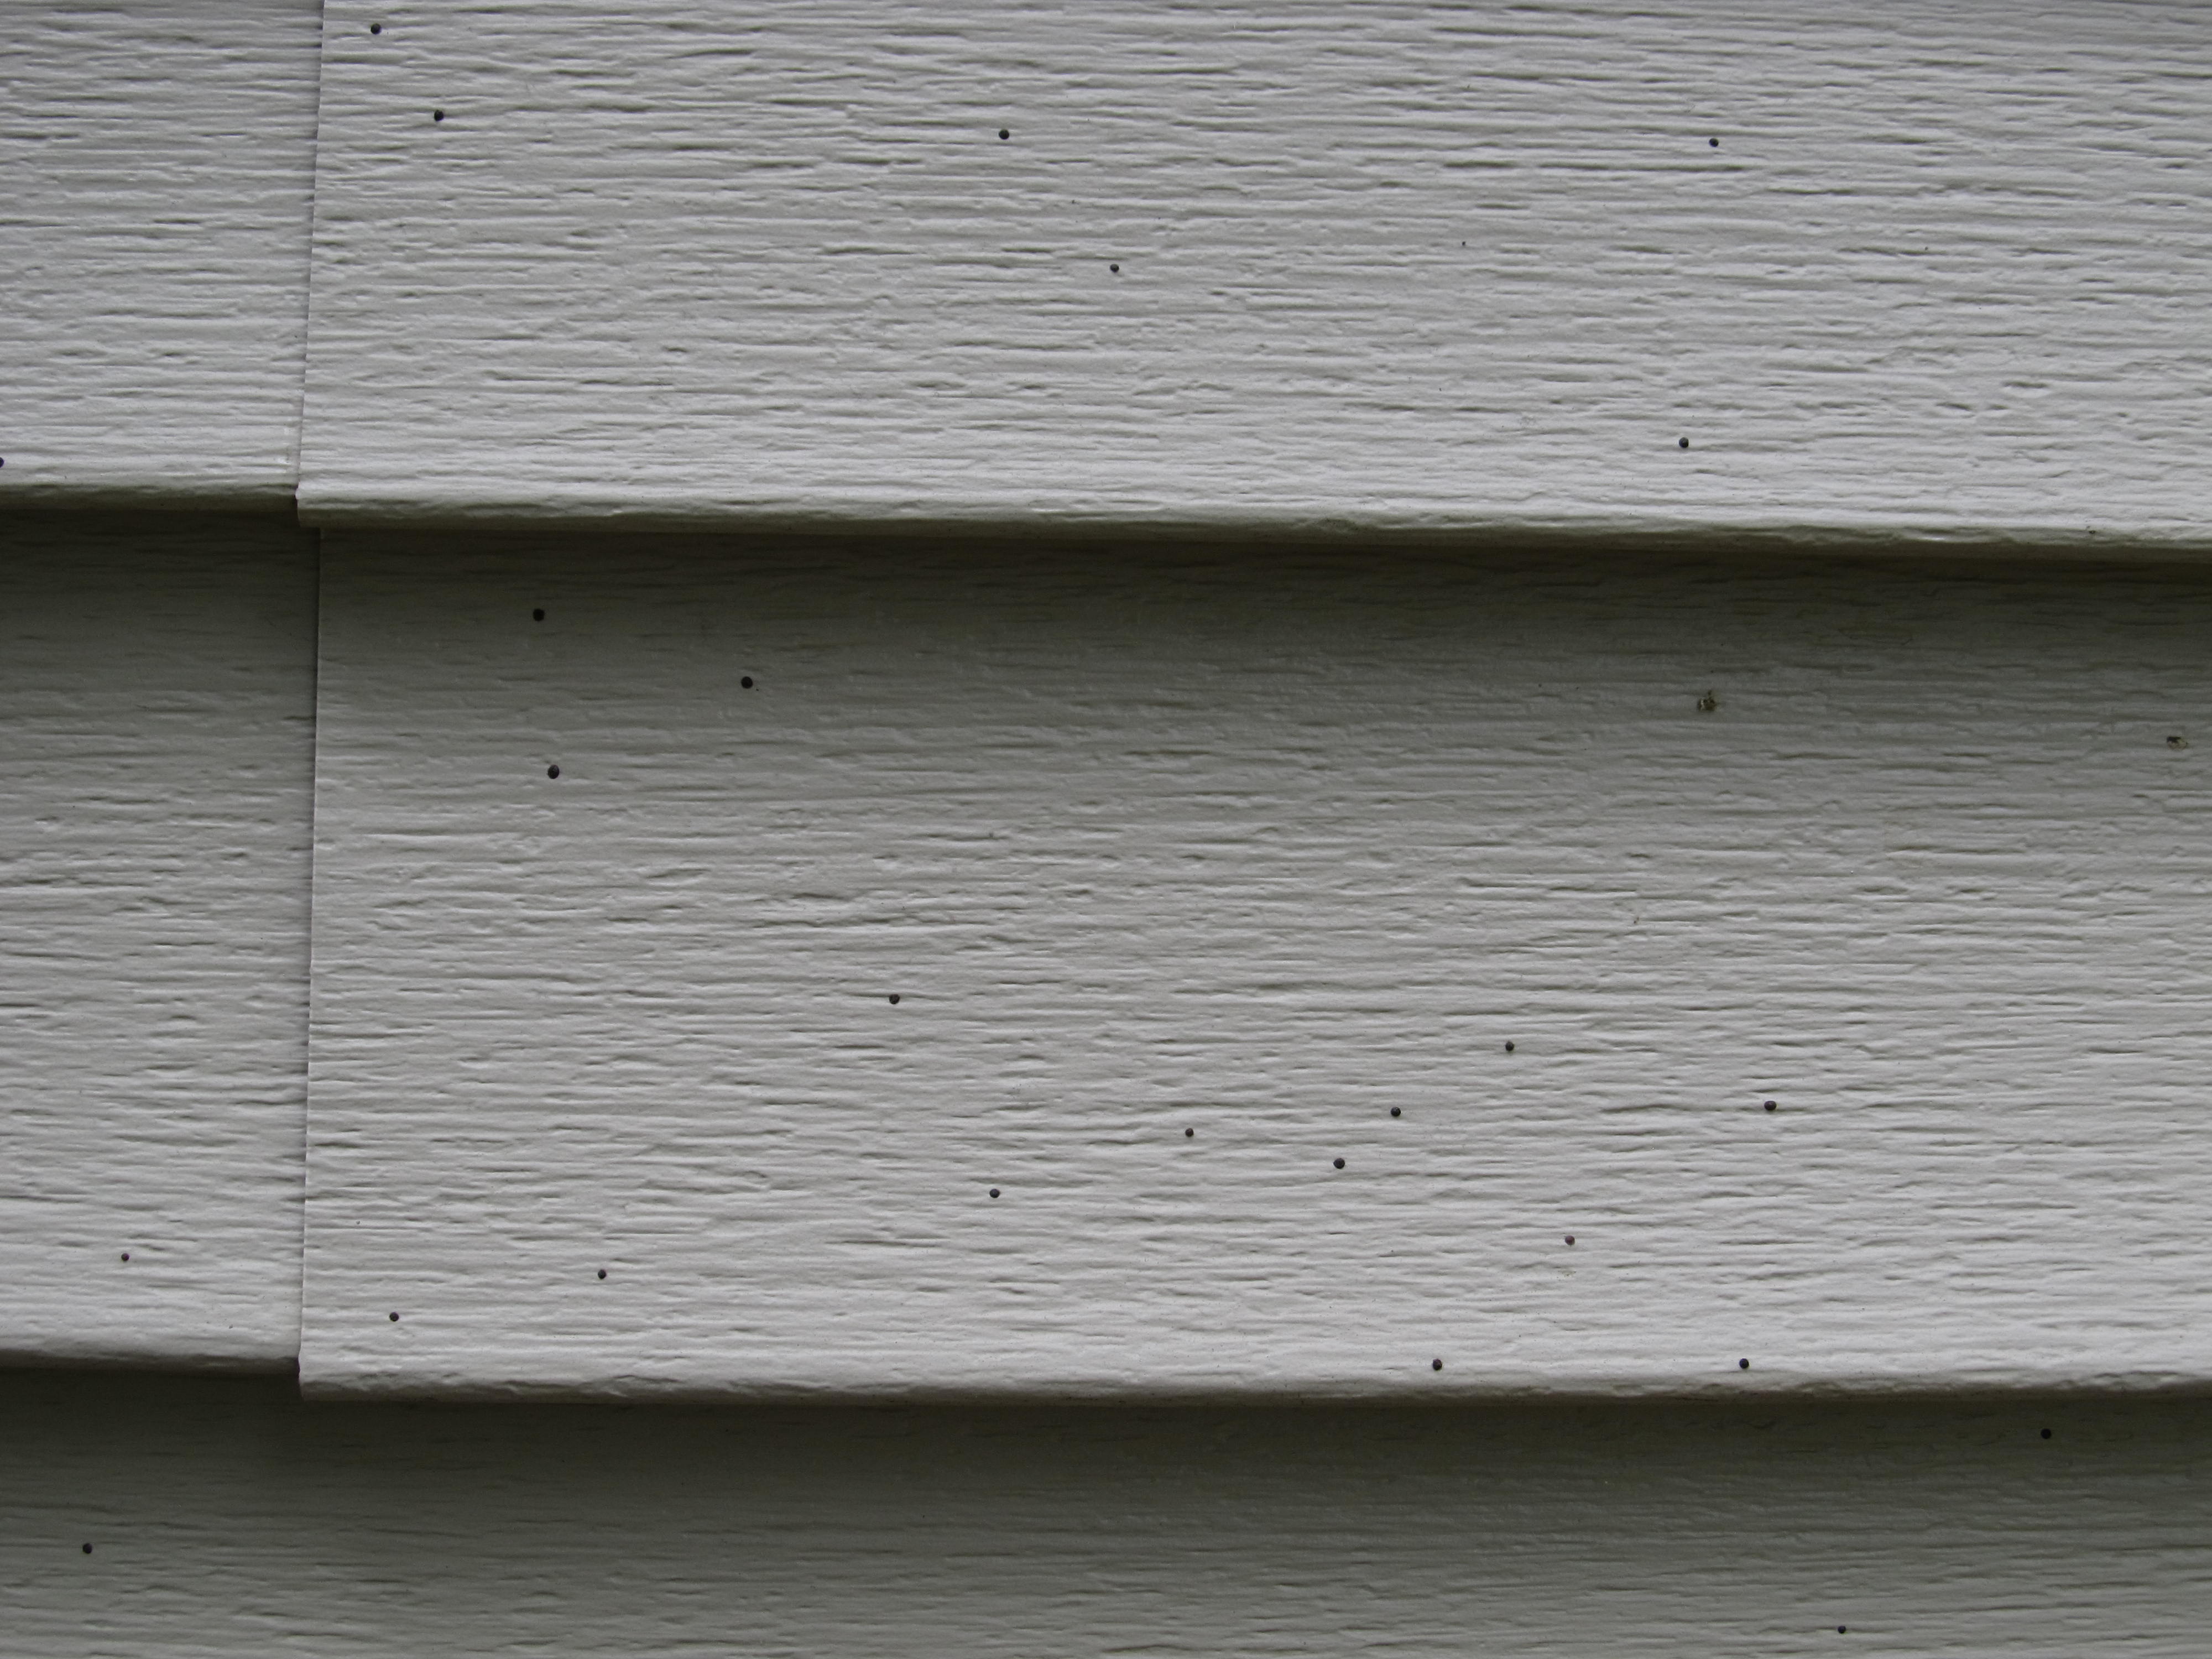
(227, 1519)
(157, 742)
(1009, 869)
(1930, 269)
(159, 161)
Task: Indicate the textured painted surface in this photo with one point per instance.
(1008, 871)
(156, 702)
(225, 1519)
(156, 169)
(1927, 267)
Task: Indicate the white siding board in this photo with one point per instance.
(1384, 267)
(227, 1519)
(156, 743)
(1263, 845)
(159, 161)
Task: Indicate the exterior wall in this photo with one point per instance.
(227, 1519)
(157, 742)
(160, 160)
(1923, 269)
(1460, 352)
(960, 970)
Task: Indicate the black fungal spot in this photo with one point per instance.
(1743, 1365)
(537, 616)
(1435, 1365)
(1116, 269)
(1508, 1048)
(994, 1192)
(1571, 1238)
(376, 28)
(895, 999)
(395, 1319)
(1715, 143)
(603, 1273)
(126, 1255)
(1340, 1163)
(1394, 1111)
(746, 681)
(2047, 1434)
(1770, 1105)
(437, 115)
(552, 771)
(88, 1549)
(1189, 1134)
(1843, 1629)
(1005, 133)
(1681, 443)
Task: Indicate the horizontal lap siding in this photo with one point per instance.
(1928, 269)
(159, 157)
(982, 1000)
(156, 750)
(1088, 970)
(229, 1520)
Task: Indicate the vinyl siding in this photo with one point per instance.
(157, 743)
(1671, 542)
(952, 971)
(1925, 270)
(159, 160)
(228, 1519)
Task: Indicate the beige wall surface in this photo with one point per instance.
(227, 1519)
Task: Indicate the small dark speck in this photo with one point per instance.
(1116, 269)
(1435, 1365)
(746, 681)
(552, 771)
(994, 1192)
(1508, 1048)
(1394, 1111)
(88, 1549)
(1715, 143)
(1189, 1134)
(1707, 703)
(1571, 1238)
(895, 999)
(537, 616)
(2176, 741)
(2047, 1434)
(376, 28)
(1005, 133)
(1743, 1365)
(1843, 1629)
(1681, 443)
(395, 1319)
(437, 115)
(126, 1255)
(603, 1273)
(1340, 1163)
(1770, 1105)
